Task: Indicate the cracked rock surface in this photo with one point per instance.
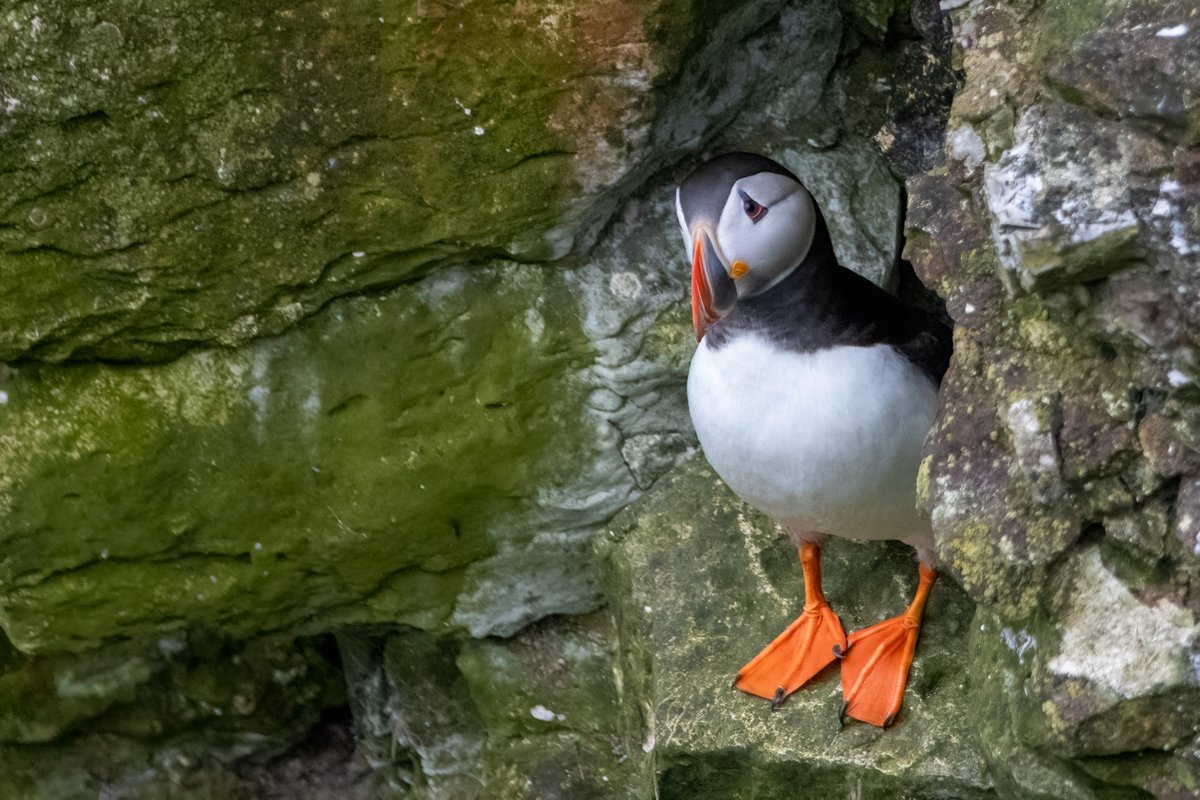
(1060, 476)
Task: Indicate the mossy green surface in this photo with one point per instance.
(365, 457)
(196, 173)
(549, 701)
(563, 766)
(438, 457)
(557, 675)
(530, 716)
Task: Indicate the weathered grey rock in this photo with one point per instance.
(861, 200)
(415, 720)
(1057, 217)
(700, 583)
(1122, 679)
(1151, 67)
(1061, 468)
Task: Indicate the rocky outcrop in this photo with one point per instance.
(334, 337)
(198, 174)
(406, 458)
(1063, 236)
(182, 175)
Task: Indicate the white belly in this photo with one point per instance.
(825, 442)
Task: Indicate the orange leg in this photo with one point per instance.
(875, 668)
(804, 649)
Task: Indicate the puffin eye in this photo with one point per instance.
(754, 210)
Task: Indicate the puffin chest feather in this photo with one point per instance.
(827, 441)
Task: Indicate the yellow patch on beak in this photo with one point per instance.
(738, 269)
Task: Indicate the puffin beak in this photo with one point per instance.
(713, 292)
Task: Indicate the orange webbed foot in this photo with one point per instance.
(805, 648)
(875, 668)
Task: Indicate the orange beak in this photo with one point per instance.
(713, 292)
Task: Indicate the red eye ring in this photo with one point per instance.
(753, 209)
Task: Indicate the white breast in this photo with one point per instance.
(825, 442)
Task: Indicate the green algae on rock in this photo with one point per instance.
(168, 185)
(425, 469)
(349, 471)
(531, 715)
(188, 702)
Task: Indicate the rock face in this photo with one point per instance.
(334, 335)
(199, 174)
(1062, 233)
(353, 471)
(297, 414)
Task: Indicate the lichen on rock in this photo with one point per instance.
(1066, 439)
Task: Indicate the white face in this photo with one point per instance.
(767, 224)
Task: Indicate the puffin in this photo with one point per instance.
(811, 391)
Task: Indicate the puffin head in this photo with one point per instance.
(747, 223)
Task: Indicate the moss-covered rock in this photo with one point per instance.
(351, 471)
(199, 173)
(177, 717)
(534, 715)
(552, 676)
(205, 197)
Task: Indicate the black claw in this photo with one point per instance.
(888, 720)
(778, 699)
(838, 652)
(842, 714)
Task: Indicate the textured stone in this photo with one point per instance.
(1151, 61)
(1059, 474)
(1058, 218)
(1122, 678)
(941, 230)
(552, 677)
(168, 187)
(317, 478)
(415, 720)
(1167, 454)
(1105, 712)
(46, 697)
(530, 716)
(156, 718)
(701, 582)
